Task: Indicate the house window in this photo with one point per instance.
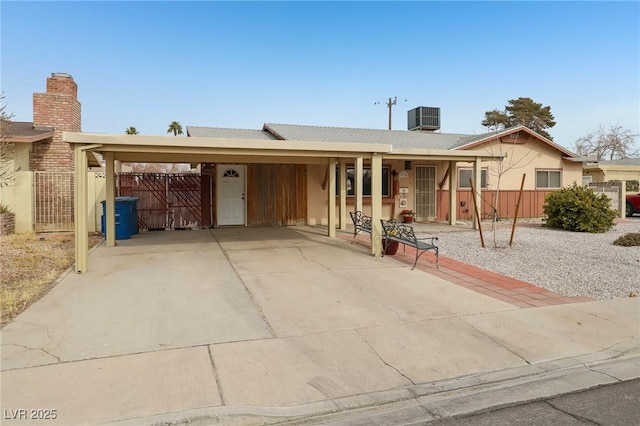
(465, 174)
(230, 173)
(366, 181)
(548, 178)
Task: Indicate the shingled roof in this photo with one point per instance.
(401, 139)
(397, 138)
(219, 132)
(26, 132)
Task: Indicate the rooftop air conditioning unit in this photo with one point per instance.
(424, 118)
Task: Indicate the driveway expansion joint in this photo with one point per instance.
(494, 340)
(214, 370)
(244, 285)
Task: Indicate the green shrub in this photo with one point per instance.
(628, 240)
(633, 186)
(4, 209)
(579, 209)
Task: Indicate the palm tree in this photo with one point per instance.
(131, 131)
(175, 127)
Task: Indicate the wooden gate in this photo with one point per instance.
(169, 200)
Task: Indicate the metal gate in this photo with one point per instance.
(169, 200)
(425, 192)
(53, 201)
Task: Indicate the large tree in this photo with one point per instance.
(521, 112)
(175, 127)
(131, 131)
(615, 143)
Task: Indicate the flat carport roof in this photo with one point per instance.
(170, 149)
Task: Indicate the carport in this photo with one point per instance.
(168, 149)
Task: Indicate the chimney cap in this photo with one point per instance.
(61, 75)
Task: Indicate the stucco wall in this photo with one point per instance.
(621, 174)
(19, 198)
(21, 156)
(526, 158)
(317, 197)
(97, 191)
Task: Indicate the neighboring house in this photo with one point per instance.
(614, 170)
(286, 194)
(42, 193)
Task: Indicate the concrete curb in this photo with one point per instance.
(430, 401)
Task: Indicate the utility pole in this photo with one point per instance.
(390, 105)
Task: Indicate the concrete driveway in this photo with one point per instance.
(257, 325)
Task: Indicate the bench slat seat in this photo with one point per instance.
(395, 231)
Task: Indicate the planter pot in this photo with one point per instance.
(392, 248)
(407, 219)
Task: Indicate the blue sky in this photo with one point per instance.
(241, 64)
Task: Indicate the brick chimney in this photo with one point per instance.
(57, 108)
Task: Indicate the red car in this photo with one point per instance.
(633, 204)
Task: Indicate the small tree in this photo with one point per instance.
(577, 208)
(615, 143)
(131, 131)
(175, 127)
(7, 170)
(505, 160)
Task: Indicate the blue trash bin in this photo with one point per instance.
(123, 219)
(132, 212)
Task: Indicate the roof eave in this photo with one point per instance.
(511, 130)
(442, 154)
(28, 139)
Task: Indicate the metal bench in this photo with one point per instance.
(361, 222)
(395, 231)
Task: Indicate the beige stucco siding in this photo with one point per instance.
(18, 197)
(526, 158)
(605, 173)
(317, 197)
(21, 156)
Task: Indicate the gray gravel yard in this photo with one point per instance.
(568, 263)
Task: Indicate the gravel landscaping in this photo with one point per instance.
(568, 263)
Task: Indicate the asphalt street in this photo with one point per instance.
(616, 404)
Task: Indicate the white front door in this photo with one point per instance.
(230, 197)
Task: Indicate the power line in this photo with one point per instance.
(390, 104)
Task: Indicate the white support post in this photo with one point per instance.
(358, 183)
(331, 200)
(453, 191)
(477, 184)
(343, 194)
(110, 219)
(81, 207)
(376, 204)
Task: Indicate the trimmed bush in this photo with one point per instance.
(628, 240)
(577, 208)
